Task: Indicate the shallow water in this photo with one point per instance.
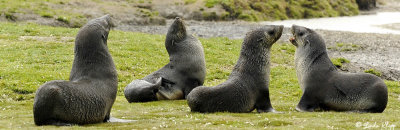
(382, 22)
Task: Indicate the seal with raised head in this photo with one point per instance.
(92, 87)
(185, 71)
(247, 87)
(324, 87)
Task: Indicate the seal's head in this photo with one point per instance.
(105, 21)
(265, 36)
(95, 31)
(145, 93)
(176, 32)
(304, 37)
(91, 52)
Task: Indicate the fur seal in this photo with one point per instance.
(92, 87)
(185, 71)
(247, 87)
(324, 87)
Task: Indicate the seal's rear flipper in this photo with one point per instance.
(60, 123)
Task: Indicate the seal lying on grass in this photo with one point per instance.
(185, 71)
(247, 87)
(328, 89)
(92, 87)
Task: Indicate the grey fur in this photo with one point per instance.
(92, 87)
(247, 87)
(185, 71)
(328, 89)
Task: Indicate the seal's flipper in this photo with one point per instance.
(60, 123)
(168, 91)
(167, 83)
(141, 91)
(158, 82)
(170, 94)
(307, 103)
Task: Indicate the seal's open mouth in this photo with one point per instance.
(293, 40)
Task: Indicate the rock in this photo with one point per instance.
(366, 4)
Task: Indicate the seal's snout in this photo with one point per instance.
(178, 20)
(109, 20)
(177, 31)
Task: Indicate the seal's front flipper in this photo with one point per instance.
(307, 103)
(166, 83)
(167, 91)
(305, 106)
(170, 94)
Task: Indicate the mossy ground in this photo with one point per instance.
(31, 54)
(75, 13)
(259, 10)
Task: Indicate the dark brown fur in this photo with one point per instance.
(324, 87)
(185, 71)
(247, 87)
(92, 87)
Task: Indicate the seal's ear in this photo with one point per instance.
(309, 30)
(103, 36)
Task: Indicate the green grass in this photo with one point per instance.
(338, 62)
(47, 9)
(189, 1)
(31, 55)
(374, 72)
(345, 47)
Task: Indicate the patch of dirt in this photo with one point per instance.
(232, 29)
(394, 26)
(377, 51)
(47, 39)
(388, 6)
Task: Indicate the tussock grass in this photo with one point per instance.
(31, 54)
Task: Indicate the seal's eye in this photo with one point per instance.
(271, 32)
(301, 34)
